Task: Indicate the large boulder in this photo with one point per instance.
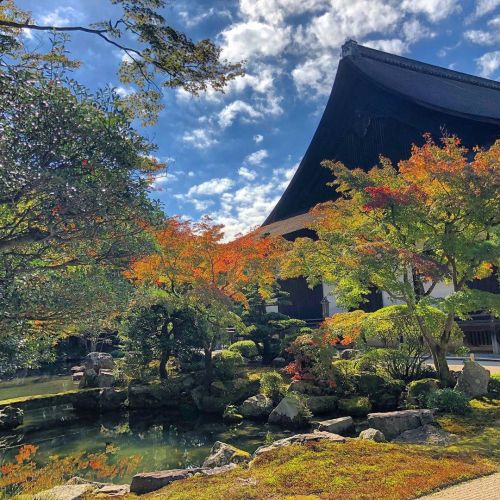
(102, 490)
(66, 492)
(88, 379)
(10, 418)
(419, 391)
(358, 406)
(313, 437)
(291, 413)
(372, 435)
(99, 361)
(426, 434)
(279, 362)
(208, 403)
(319, 405)
(224, 454)
(99, 401)
(473, 380)
(146, 482)
(393, 423)
(105, 378)
(340, 425)
(153, 396)
(257, 407)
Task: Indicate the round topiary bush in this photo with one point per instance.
(449, 401)
(420, 390)
(226, 364)
(272, 385)
(246, 348)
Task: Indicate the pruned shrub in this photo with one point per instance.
(272, 385)
(449, 401)
(226, 364)
(420, 390)
(494, 385)
(246, 348)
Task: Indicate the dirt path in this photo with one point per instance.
(484, 488)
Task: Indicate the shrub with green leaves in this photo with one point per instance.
(272, 385)
(227, 364)
(449, 401)
(246, 348)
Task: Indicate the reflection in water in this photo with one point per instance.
(163, 440)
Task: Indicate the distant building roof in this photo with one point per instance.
(381, 104)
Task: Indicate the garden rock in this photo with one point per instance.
(105, 378)
(77, 376)
(224, 454)
(358, 406)
(394, 423)
(66, 492)
(337, 425)
(303, 387)
(301, 439)
(419, 390)
(89, 379)
(257, 407)
(231, 415)
(319, 405)
(153, 396)
(99, 401)
(102, 490)
(99, 361)
(372, 435)
(383, 393)
(10, 418)
(215, 471)
(290, 413)
(473, 380)
(427, 434)
(348, 353)
(146, 482)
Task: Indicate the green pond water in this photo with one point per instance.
(163, 439)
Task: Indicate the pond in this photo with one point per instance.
(33, 385)
(163, 440)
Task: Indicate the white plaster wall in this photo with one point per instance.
(328, 293)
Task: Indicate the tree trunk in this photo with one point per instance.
(441, 365)
(208, 368)
(267, 353)
(163, 365)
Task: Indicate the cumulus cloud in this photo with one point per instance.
(229, 113)
(482, 37)
(394, 46)
(258, 138)
(247, 174)
(61, 16)
(200, 138)
(257, 158)
(248, 39)
(489, 63)
(316, 74)
(211, 187)
(484, 7)
(435, 10)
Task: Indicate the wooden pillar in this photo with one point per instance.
(494, 340)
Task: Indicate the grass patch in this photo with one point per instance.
(354, 470)
(478, 431)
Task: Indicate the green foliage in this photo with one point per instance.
(494, 385)
(344, 371)
(449, 401)
(420, 390)
(272, 385)
(246, 348)
(303, 413)
(227, 364)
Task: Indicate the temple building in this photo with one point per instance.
(381, 104)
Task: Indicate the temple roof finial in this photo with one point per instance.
(350, 48)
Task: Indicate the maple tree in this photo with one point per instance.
(197, 271)
(433, 220)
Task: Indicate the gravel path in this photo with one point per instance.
(484, 488)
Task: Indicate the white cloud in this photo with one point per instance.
(258, 138)
(488, 63)
(246, 40)
(394, 46)
(191, 19)
(435, 10)
(482, 37)
(275, 11)
(211, 187)
(258, 157)
(413, 31)
(229, 113)
(247, 174)
(124, 91)
(61, 16)
(316, 74)
(484, 7)
(200, 138)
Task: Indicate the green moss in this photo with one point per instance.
(419, 391)
(357, 406)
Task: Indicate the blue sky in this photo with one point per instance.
(231, 156)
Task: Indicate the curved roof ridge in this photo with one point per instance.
(352, 49)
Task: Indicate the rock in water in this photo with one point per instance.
(427, 434)
(10, 418)
(473, 380)
(291, 413)
(257, 407)
(224, 454)
(337, 425)
(394, 423)
(372, 435)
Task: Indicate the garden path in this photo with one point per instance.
(484, 488)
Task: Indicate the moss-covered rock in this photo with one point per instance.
(356, 406)
(319, 405)
(383, 393)
(224, 454)
(419, 391)
(292, 412)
